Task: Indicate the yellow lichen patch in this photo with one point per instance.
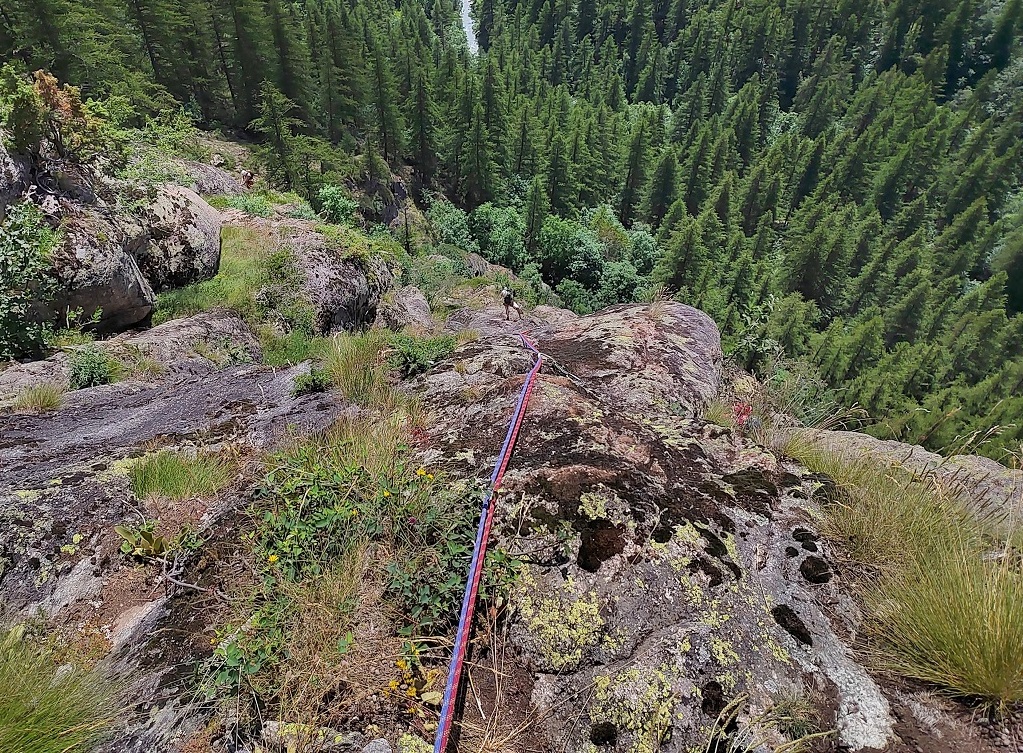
(593, 505)
(713, 617)
(723, 652)
(564, 624)
(641, 703)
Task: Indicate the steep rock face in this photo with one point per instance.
(177, 242)
(663, 570)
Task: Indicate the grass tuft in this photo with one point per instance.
(945, 593)
(174, 475)
(40, 398)
(955, 619)
(358, 368)
(45, 708)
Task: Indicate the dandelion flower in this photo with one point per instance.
(387, 493)
(272, 558)
(421, 472)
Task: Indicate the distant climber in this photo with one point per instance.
(509, 304)
(247, 179)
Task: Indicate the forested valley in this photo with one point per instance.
(837, 183)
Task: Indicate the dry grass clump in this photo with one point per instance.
(177, 475)
(945, 592)
(956, 619)
(40, 398)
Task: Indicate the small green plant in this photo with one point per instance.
(176, 475)
(26, 242)
(74, 331)
(91, 366)
(141, 541)
(337, 205)
(49, 709)
(289, 349)
(413, 355)
(316, 380)
(719, 413)
(257, 204)
(40, 397)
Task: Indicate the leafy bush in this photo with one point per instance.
(316, 380)
(176, 475)
(576, 297)
(414, 355)
(619, 283)
(45, 708)
(451, 225)
(47, 120)
(25, 245)
(92, 366)
(337, 205)
(499, 232)
(40, 397)
(301, 211)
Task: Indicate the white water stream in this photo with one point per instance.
(470, 31)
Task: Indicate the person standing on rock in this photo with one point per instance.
(247, 178)
(509, 304)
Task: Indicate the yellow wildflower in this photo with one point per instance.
(429, 476)
(421, 472)
(272, 558)
(387, 493)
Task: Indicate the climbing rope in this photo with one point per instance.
(447, 711)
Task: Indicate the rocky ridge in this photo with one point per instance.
(670, 566)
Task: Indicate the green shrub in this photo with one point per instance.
(414, 355)
(175, 475)
(49, 709)
(90, 366)
(258, 204)
(337, 205)
(301, 211)
(40, 397)
(316, 380)
(25, 246)
(451, 225)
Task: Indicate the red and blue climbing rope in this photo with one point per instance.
(447, 711)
